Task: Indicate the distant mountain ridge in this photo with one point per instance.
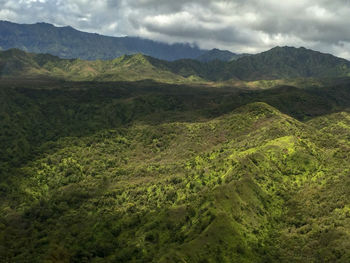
(277, 63)
(15, 63)
(67, 42)
(288, 62)
(217, 54)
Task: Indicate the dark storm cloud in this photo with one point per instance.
(238, 25)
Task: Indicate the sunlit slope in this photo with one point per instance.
(287, 62)
(18, 64)
(44, 112)
(278, 65)
(249, 186)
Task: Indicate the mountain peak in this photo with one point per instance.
(217, 54)
(137, 59)
(44, 24)
(13, 52)
(290, 62)
(276, 48)
(290, 49)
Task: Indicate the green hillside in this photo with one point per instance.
(149, 172)
(288, 62)
(15, 63)
(284, 64)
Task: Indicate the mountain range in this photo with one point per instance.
(67, 42)
(277, 63)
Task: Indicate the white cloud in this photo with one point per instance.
(237, 25)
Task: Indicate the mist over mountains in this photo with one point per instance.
(67, 42)
(129, 58)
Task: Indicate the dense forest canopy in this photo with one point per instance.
(143, 171)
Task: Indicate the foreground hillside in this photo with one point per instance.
(143, 172)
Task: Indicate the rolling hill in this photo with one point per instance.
(15, 63)
(277, 63)
(149, 172)
(287, 62)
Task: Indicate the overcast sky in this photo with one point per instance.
(237, 25)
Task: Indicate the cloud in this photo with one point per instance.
(237, 25)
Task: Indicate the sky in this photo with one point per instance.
(241, 26)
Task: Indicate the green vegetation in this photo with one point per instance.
(278, 66)
(14, 63)
(149, 172)
(287, 62)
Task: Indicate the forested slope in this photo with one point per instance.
(146, 172)
(280, 63)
